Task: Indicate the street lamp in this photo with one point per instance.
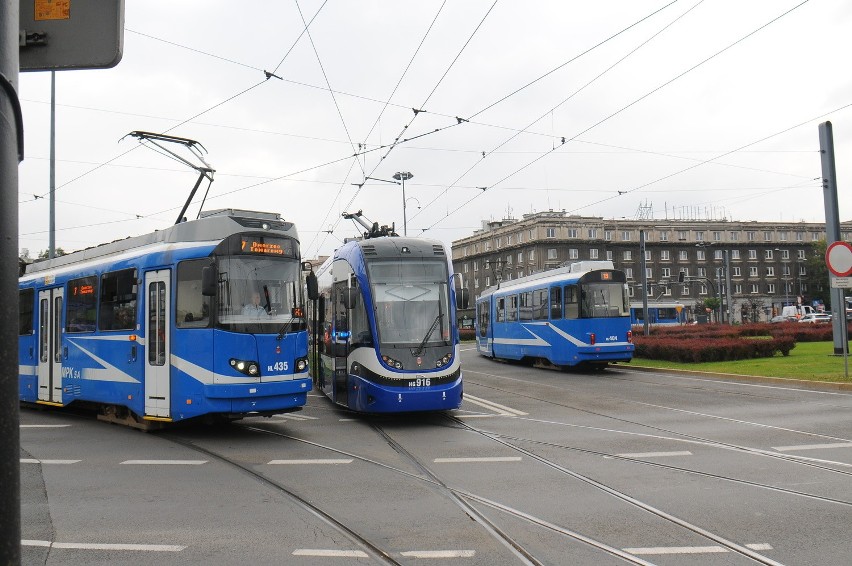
(403, 176)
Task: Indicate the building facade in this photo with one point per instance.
(686, 261)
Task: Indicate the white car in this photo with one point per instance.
(815, 318)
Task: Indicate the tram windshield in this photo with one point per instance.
(260, 294)
(411, 299)
(604, 300)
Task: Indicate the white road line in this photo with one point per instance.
(485, 459)
(330, 553)
(346, 420)
(691, 549)
(298, 418)
(102, 546)
(324, 461)
(34, 461)
(655, 454)
(165, 462)
(439, 553)
(813, 446)
(44, 425)
(492, 405)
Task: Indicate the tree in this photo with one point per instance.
(44, 253)
(817, 273)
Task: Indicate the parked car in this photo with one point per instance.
(781, 318)
(816, 318)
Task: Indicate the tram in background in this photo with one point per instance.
(659, 313)
(385, 337)
(573, 315)
(162, 327)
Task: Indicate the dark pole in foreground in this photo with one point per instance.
(11, 152)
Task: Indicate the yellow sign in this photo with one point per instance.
(52, 10)
(678, 308)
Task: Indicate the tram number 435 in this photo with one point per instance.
(277, 366)
(420, 382)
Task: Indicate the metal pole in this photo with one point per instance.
(644, 262)
(404, 216)
(728, 285)
(11, 152)
(51, 249)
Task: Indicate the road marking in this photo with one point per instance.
(655, 454)
(165, 462)
(324, 461)
(297, 418)
(690, 549)
(501, 409)
(813, 446)
(485, 459)
(34, 461)
(44, 425)
(102, 546)
(330, 553)
(439, 553)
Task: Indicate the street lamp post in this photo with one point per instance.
(403, 176)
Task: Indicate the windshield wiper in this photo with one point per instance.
(432, 328)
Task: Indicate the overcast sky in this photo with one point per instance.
(696, 109)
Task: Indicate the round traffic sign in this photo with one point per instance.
(838, 258)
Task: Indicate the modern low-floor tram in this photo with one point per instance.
(386, 338)
(203, 319)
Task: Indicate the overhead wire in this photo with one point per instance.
(657, 89)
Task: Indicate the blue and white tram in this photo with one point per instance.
(205, 318)
(578, 314)
(385, 335)
(659, 313)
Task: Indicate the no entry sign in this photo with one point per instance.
(838, 258)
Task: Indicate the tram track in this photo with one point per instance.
(366, 545)
(463, 498)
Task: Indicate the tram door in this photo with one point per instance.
(157, 364)
(50, 345)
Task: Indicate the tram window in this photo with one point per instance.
(82, 304)
(483, 318)
(358, 321)
(539, 304)
(25, 308)
(501, 309)
(555, 303)
(118, 300)
(512, 309)
(526, 307)
(192, 308)
(572, 306)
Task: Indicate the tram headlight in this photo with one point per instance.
(444, 361)
(301, 365)
(246, 367)
(392, 362)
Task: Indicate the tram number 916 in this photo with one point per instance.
(420, 382)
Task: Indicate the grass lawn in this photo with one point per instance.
(812, 361)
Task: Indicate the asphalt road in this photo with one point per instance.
(538, 467)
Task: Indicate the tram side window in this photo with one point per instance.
(555, 303)
(526, 307)
(572, 304)
(81, 304)
(500, 309)
(118, 300)
(483, 318)
(540, 304)
(192, 308)
(512, 309)
(25, 308)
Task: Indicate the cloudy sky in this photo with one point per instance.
(695, 109)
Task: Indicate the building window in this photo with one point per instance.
(733, 236)
(487, 245)
(684, 255)
(752, 254)
(800, 254)
(750, 236)
(717, 236)
(664, 236)
(684, 290)
(666, 272)
(628, 272)
(738, 289)
(593, 233)
(665, 255)
(475, 266)
(628, 255)
(551, 253)
(702, 272)
(520, 257)
(735, 254)
(752, 272)
(551, 232)
(754, 289)
(782, 236)
(700, 255)
(532, 255)
(767, 236)
(608, 235)
(573, 253)
(767, 254)
(649, 273)
(699, 236)
(487, 280)
(593, 253)
(609, 255)
(667, 291)
(770, 288)
(717, 254)
(800, 236)
(573, 233)
(497, 243)
(681, 235)
(785, 254)
(509, 240)
(736, 272)
(466, 265)
(625, 235)
(647, 255)
(770, 271)
(702, 289)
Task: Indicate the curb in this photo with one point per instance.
(802, 384)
